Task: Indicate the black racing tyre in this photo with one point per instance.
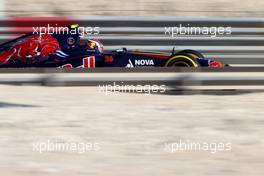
(181, 61)
(191, 53)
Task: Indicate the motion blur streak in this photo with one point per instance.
(203, 8)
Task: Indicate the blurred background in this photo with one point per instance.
(205, 8)
(133, 129)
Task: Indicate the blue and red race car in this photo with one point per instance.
(72, 51)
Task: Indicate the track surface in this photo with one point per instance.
(131, 130)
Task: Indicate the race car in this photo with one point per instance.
(67, 50)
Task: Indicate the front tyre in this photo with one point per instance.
(191, 53)
(181, 61)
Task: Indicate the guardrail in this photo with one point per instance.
(244, 46)
(246, 78)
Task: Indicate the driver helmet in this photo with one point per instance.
(95, 44)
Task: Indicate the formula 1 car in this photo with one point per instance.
(72, 51)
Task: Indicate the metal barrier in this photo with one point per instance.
(174, 78)
(243, 47)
